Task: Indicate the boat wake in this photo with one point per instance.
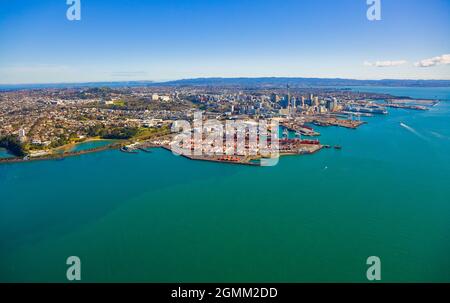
(413, 131)
(438, 135)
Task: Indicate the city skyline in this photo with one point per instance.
(169, 40)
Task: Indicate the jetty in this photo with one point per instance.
(403, 106)
(333, 121)
(300, 128)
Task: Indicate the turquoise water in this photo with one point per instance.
(82, 146)
(4, 154)
(90, 145)
(160, 218)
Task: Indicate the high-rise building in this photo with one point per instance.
(288, 98)
(316, 101)
(21, 133)
(335, 104)
(330, 105)
(274, 98)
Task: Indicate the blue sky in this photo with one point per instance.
(172, 39)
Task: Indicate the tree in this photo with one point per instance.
(13, 145)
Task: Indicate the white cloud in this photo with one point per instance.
(385, 63)
(440, 60)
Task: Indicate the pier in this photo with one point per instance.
(332, 121)
(300, 128)
(403, 106)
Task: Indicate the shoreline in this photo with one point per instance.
(59, 157)
(119, 144)
(72, 145)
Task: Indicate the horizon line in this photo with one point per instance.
(218, 77)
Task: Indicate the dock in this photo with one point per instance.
(410, 107)
(300, 128)
(332, 121)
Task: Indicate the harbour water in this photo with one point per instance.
(155, 217)
(87, 145)
(4, 154)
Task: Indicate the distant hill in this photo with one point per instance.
(75, 85)
(305, 82)
(244, 82)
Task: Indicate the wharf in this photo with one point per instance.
(331, 121)
(223, 159)
(302, 129)
(236, 160)
(402, 106)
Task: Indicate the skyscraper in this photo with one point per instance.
(288, 97)
(316, 101)
(22, 135)
(334, 104)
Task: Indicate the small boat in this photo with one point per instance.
(128, 150)
(338, 147)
